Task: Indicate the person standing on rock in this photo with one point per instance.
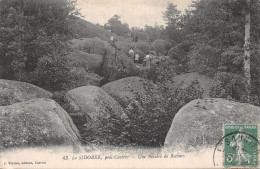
(136, 59)
(131, 53)
(112, 39)
(146, 59)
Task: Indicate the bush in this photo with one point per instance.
(146, 116)
(143, 46)
(204, 59)
(53, 73)
(180, 52)
(149, 125)
(164, 71)
(110, 131)
(232, 86)
(178, 96)
(161, 46)
(84, 79)
(94, 46)
(56, 73)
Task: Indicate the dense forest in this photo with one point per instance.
(48, 44)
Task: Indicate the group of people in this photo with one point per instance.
(135, 56)
(138, 59)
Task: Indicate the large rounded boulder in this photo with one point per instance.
(93, 103)
(96, 112)
(124, 46)
(37, 122)
(14, 91)
(200, 122)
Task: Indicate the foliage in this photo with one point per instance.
(218, 27)
(116, 26)
(124, 46)
(81, 28)
(30, 32)
(162, 72)
(177, 97)
(109, 131)
(179, 52)
(143, 46)
(94, 46)
(232, 86)
(149, 125)
(154, 32)
(171, 15)
(204, 59)
(161, 46)
(211, 37)
(53, 73)
(173, 20)
(140, 33)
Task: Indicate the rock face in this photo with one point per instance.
(186, 79)
(128, 90)
(37, 122)
(92, 103)
(85, 61)
(14, 91)
(116, 64)
(124, 46)
(199, 123)
(99, 118)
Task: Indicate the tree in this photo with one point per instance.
(154, 32)
(213, 41)
(171, 15)
(172, 18)
(247, 51)
(116, 26)
(30, 30)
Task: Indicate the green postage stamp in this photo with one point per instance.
(241, 146)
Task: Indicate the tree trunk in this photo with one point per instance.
(247, 51)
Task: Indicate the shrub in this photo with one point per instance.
(110, 131)
(232, 86)
(204, 59)
(164, 71)
(56, 73)
(94, 46)
(161, 46)
(177, 97)
(149, 125)
(143, 46)
(180, 52)
(53, 73)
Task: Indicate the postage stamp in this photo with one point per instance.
(240, 146)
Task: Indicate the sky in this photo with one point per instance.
(137, 13)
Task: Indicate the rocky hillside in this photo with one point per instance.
(84, 29)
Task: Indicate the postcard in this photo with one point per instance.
(129, 84)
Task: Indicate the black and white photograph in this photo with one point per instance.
(129, 83)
